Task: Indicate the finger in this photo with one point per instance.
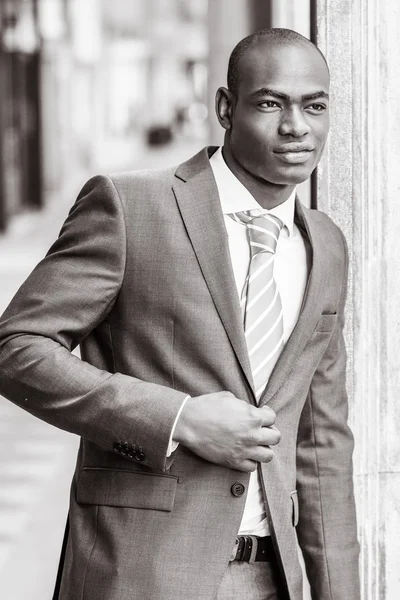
(269, 436)
(247, 466)
(262, 454)
(226, 394)
(268, 417)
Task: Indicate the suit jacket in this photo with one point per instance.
(141, 278)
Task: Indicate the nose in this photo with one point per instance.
(294, 123)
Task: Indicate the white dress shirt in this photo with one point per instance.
(290, 272)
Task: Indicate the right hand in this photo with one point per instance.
(225, 430)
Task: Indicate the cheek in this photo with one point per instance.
(320, 141)
(320, 130)
(253, 136)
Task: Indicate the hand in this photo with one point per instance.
(225, 430)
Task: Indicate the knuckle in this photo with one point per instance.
(271, 414)
(275, 436)
(255, 416)
(253, 438)
(258, 422)
(269, 455)
(230, 461)
(241, 439)
(252, 442)
(235, 457)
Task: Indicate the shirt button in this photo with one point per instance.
(237, 489)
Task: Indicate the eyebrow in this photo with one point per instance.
(282, 96)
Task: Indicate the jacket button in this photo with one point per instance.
(237, 489)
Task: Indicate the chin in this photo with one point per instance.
(292, 176)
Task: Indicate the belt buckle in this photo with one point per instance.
(234, 550)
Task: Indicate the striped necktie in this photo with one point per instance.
(261, 303)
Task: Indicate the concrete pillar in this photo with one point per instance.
(358, 185)
(292, 15)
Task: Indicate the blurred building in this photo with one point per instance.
(20, 128)
(86, 83)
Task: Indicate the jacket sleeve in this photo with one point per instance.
(327, 531)
(66, 296)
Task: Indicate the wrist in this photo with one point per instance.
(182, 431)
(173, 442)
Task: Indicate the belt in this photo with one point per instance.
(250, 548)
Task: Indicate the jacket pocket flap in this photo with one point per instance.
(326, 323)
(130, 489)
(295, 502)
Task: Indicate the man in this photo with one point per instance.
(208, 305)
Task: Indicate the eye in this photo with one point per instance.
(271, 104)
(317, 107)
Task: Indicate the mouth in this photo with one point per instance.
(295, 153)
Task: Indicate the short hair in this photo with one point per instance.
(278, 36)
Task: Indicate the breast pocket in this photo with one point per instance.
(129, 489)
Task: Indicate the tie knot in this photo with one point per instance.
(263, 231)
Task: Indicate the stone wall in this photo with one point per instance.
(358, 185)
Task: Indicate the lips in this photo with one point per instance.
(295, 147)
(295, 153)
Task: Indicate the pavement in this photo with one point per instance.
(36, 459)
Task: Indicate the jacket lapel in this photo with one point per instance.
(197, 197)
(311, 309)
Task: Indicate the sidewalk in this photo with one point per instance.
(37, 460)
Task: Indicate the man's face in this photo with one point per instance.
(280, 119)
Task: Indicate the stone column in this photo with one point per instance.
(358, 185)
(292, 15)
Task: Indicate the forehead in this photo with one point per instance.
(292, 69)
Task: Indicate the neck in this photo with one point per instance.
(267, 194)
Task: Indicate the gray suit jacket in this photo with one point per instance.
(141, 278)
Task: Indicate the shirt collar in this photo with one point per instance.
(235, 197)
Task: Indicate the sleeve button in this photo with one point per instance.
(124, 449)
(132, 452)
(140, 456)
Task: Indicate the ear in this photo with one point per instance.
(224, 103)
